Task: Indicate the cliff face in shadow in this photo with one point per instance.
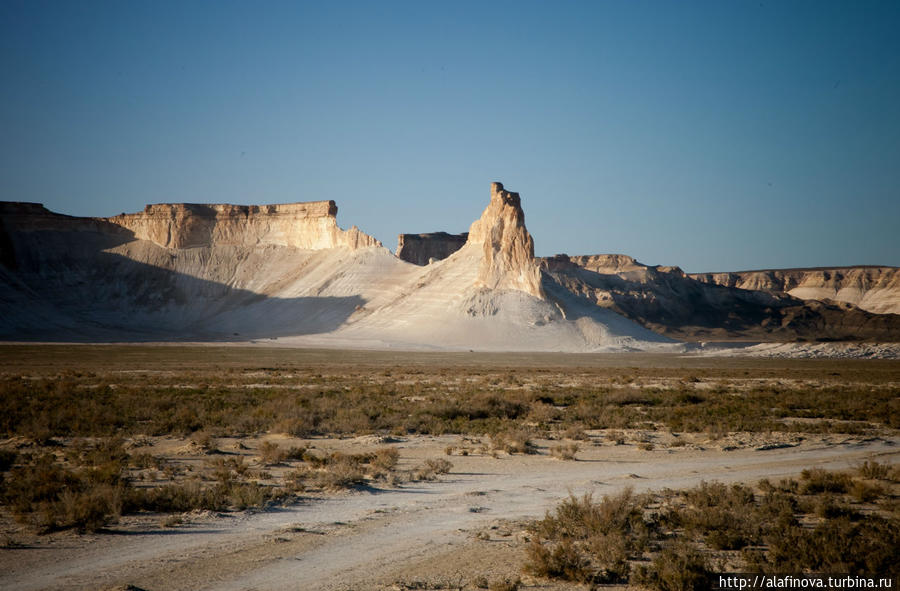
(74, 279)
(670, 302)
(422, 249)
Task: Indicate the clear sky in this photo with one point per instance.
(713, 136)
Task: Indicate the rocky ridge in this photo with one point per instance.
(673, 303)
(875, 289)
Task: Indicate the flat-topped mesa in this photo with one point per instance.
(508, 248)
(599, 263)
(311, 225)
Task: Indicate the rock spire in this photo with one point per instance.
(508, 248)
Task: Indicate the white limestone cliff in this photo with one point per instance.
(311, 225)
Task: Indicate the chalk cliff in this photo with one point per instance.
(231, 272)
(311, 225)
(507, 247)
(876, 289)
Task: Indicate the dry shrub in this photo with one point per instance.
(564, 560)
(341, 473)
(271, 454)
(205, 440)
(51, 497)
(245, 495)
(838, 545)
(725, 516)
(590, 542)
(865, 492)
(564, 451)
(505, 585)
(431, 469)
(178, 498)
(87, 510)
(679, 567)
(513, 441)
(616, 437)
(873, 470)
(386, 458)
(226, 470)
(816, 481)
(575, 432)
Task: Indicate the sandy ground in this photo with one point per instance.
(464, 526)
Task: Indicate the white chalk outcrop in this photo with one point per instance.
(875, 289)
(507, 247)
(311, 225)
(289, 273)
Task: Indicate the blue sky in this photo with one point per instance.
(713, 136)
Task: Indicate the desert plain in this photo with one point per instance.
(321, 469)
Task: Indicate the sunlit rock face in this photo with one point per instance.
(875, 289)
(508, 248)
(311, 225)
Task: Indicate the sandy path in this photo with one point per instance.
(360, 536)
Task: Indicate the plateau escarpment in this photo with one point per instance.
(310, 225)
(204, 271)
(872, 288)
(234, 272)
(673, 303)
